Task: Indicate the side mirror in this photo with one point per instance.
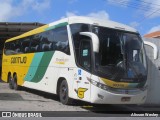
(155, 49)
(94, 38)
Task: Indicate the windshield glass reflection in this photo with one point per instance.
(121, 56)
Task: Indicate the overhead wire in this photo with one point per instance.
(134, 4)
(148, 15)
(147, 2)
(140, 6)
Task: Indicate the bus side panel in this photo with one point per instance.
(16, 64)
(45, 75)
(5, 68)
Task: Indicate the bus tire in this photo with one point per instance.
(10, 81)
(16, 86)
(63, 93)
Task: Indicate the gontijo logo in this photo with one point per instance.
(19, 60)
(81, 92)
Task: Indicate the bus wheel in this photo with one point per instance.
(63, 93)
(10, 82)
(16, 86)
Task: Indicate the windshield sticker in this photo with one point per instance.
(135, 55)
(130, 74)
(85, 52)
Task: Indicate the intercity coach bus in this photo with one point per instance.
(88, 59)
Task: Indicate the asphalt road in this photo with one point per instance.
(32, 100)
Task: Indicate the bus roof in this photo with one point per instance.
(101, 22)
(76, 19)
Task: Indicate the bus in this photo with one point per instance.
(82, 58)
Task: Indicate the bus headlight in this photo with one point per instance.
(98, 84)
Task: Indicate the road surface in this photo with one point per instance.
(32, 100)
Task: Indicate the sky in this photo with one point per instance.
(144, 15)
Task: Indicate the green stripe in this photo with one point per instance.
(34, 66)
(56, 26)
(41, 70)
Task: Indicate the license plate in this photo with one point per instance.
(125, 99)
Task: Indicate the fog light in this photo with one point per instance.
(100, 96)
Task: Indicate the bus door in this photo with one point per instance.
(83, 73)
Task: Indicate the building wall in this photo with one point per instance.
(153, 73)
(155, 34)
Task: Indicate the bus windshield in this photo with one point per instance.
(121, 55)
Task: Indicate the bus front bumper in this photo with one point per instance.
(101, 96)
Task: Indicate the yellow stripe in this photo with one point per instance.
(60, 62)
(32, 32)
(114, 84)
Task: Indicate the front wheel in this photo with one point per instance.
(63, 93)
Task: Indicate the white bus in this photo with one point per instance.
(82, 58)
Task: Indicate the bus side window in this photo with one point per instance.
(46, 47)
(34, 46)
(7, 48)
(60, 40)
(45, 44)
(26, 45)
(17, 47)
(35, 43)
(47, 40)
(12, 48)
(85, 54)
